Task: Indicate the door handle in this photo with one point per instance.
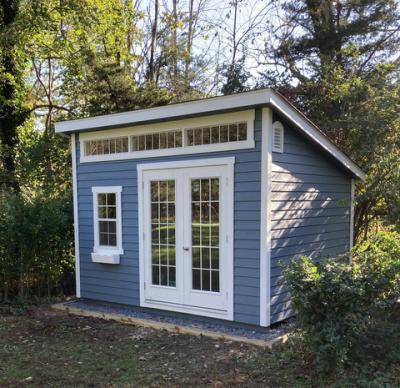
(187, 249)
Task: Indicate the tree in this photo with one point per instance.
(13, 110)
(338, 60)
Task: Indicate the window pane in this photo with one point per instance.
(149, 142)
(156, 274)
(205, 258)
(134, 143)
(103, 239)
(102, 212)
(125, 144)
(215, 135)
(172, 277)
(171, 139)
(163, 140)
(198, 135)
(103, 226)
(112, 240)
(190, 137)
(111, 199)
(154, 191)
(242, 131)
(215, 281)
(178, 139)
(233, 132)
(206, 135)
(164, 275)
(196, 279)
(101, 199)
(112, 146)
(223, 134)
(112, 227)
(205, 280)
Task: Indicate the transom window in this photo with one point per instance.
(107, 218)
(228, 131)
(156, 141)
(217, 134)
(106, 146)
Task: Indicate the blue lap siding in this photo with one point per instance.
(120, 283)
(310, 216)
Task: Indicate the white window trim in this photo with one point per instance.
(221, 119)
(228, 161)
(278, 126)
(100, 249)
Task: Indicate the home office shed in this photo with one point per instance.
(192, 207)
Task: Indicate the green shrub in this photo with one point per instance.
(337, 303)
(36, 249)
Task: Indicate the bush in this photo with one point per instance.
(36, 249)
(337, 302)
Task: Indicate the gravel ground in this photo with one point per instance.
(266, 334)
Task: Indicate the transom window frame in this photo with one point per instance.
(104, 249)
(183, 125)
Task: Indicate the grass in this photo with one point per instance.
(42, 347)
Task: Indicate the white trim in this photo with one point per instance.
(210, 105)
(184, 164)
(76, 217)
(97, 248)
(229, 204)
(352, 215)
(265, 217)
(182, 125)
(278, 126)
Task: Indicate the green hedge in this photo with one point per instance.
(36, 246)
(337, 302)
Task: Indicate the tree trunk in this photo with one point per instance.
(150, 76)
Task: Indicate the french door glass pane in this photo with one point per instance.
(205, 234)
(163, 233)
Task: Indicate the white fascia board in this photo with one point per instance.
(190, 108)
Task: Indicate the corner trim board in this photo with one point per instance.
(265, 217)
(352, 215)
(76, 216)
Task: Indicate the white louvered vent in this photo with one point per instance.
(277, 141)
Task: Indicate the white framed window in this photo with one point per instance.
(222, 132)
(277, 137)
(107, 220)
(108, 146)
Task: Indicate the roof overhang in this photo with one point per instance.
(214, 105)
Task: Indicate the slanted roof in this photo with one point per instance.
(261, 97)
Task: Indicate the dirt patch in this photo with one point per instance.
(52, 349)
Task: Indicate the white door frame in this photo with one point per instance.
(212, 162)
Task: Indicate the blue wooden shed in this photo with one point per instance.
(192, 207)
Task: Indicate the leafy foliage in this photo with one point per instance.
(36, 256)
(337, 303)
(341, 67)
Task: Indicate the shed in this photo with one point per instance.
(192, 207)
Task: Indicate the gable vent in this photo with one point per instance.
(277, 141)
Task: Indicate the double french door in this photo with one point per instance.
(187, 227)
